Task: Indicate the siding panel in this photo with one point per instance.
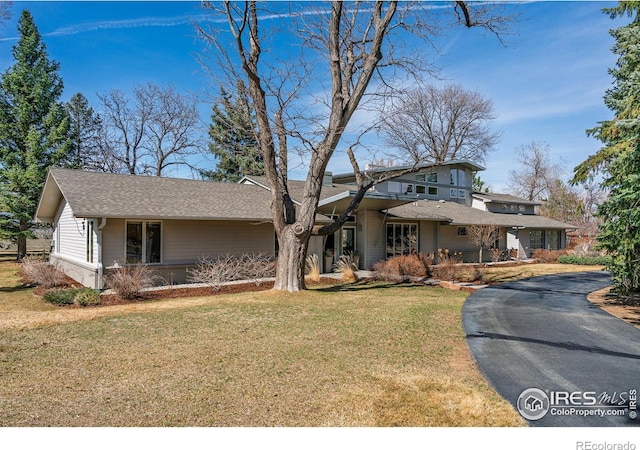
(183, 242)
(72, 238)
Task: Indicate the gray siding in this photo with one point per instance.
(373, 237)
(502, 208)
(450, 240)
(443, 184)
(183, 242)
(428, 236)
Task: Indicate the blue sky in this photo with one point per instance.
(546, 84)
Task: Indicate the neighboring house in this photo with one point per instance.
(104, 220)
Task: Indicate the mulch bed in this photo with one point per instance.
(178, 292)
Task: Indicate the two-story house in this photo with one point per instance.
(101, 220)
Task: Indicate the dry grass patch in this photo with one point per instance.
(430, 400)
(358, 355)
(625, 308)
(501, 274)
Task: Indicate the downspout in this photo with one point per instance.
(100, 283)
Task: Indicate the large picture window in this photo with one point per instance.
(144, 242)
(553, 240)
(536, 239)
(402, 239)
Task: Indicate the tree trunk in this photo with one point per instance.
(22, 241)
(291, 259)
(480, 255)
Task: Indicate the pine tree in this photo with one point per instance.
(34, 130)
(620, 158)
(233, 139)
(85, 126)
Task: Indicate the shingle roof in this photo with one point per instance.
(458, 214)
(296, 187)
(503, 198)
(92, 194)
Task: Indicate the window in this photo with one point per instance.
(462, 231)
(536, 239)
(89, 236)
(553, 240)
(402, 239)
(433, 190)
(433, 177)
(420, 177)
(348, 240)
(420, 189)
(407, 188)
(453, 193)
(462, 178)
(144, 242)
(462, 193)
(458, 177)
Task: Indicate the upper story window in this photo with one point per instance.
(458, 177)
(432, 177)
(420, 177)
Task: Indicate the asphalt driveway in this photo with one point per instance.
(560, 360)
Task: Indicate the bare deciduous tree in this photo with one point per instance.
(347, 45)
(440, 124)
(154, 129)
(537, 173)
(482, 236)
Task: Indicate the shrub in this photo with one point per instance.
(403, 267)
(585, 260)
(255, 267)
(497, 254)
(41, 272)
(447, 268)
(129, 281)
(215, 272)
(86, 297)
(60, 296)
(312, 265)
(223, 269)
(548, 256)
(347, 266)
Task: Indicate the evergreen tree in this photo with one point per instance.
(85, 128)
(233, 139)
(34, 130)
(479, 185)
(620, 158)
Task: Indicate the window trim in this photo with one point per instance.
(144, 241)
